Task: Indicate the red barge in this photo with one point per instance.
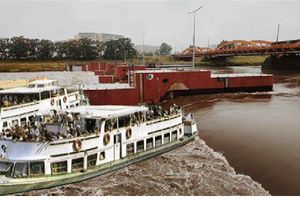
(151, 86)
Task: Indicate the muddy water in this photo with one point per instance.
(258, 133)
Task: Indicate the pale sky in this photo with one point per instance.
(161, 21)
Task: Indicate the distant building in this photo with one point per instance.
(101, 37)
(147, 48)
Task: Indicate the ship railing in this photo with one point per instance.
(19, 106)
(162, 119)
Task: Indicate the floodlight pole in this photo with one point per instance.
(194, 34)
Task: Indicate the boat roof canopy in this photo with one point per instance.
(106, 111)
(28, 90)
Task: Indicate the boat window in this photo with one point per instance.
(31, 118)
(23, 121)
(37, 168)
(59, 167)
(124, 121)
(102, 155)
(90, 125)
(140, 146)
(149, 143)
(61, 91)
(111, 124)
(5, 168)
(40, 85)
(14, 122)
(5, 124)
(91, 160)
(77, 164)
(117, 139)
(45, 95)
(130, 149)
(158, 141)
(174, 135)
(166, 138)
(20, 170)
(31, 86)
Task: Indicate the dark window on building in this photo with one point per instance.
(130, 149)
(174, 135)
(149, 143)
(102, 155)
(20, 170)
(77, 164)
(166, 138)
(59, 167)
(124, 121)
(140, 146)
(158, 141)
(91, 160)
(37, 168)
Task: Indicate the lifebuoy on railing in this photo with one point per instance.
(128, 133)
(77, 145)
(106, 139)
(65, 99)
(52, 102)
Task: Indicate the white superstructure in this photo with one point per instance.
(19, 105)
(83, 139)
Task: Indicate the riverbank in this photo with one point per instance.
(194, 169)
(35, 66)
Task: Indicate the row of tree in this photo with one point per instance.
(20, 48)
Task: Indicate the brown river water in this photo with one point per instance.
(258, 133)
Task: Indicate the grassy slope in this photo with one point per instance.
(31, 66)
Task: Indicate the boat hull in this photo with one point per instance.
(30, 184)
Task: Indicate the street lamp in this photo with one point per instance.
(194, 48)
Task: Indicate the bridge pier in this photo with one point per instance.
(282, 62)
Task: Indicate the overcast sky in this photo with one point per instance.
(161, 21)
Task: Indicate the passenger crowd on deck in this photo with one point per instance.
(71, 125)
(12, 100)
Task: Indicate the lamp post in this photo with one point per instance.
(194, 35)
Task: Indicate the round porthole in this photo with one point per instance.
(149, 76)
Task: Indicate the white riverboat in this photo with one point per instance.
(19, 105)
(87, 141)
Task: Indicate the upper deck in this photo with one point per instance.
(106, 111)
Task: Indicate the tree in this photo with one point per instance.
(88, 49)
(45, 50)
(32, 48)
(19, 48)
(116, 49)
(61, 50)
(165, 49)
(4, 48)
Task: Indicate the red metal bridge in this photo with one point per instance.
(242, 48)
